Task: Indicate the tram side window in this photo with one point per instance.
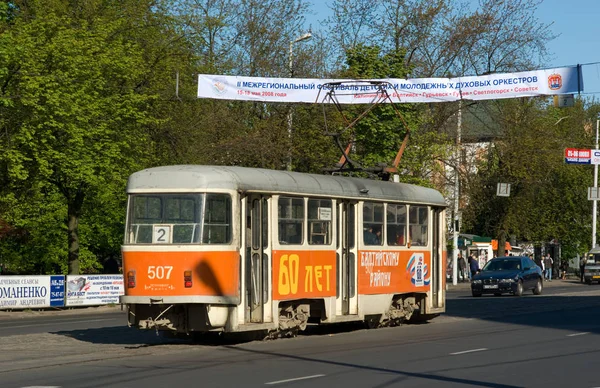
(419, 222)
(319, 221)
(396, 225)
(290, 220)
(217, 219)
(372, 223)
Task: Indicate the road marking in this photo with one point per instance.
(296, 379)
(468, 351)
(55, 323)
(576, 334)
(43, 386)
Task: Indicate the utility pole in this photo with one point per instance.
(595, 202)
(456, 196)
(306, 36)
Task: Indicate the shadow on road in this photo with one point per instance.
(551, 311)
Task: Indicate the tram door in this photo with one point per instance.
(436, 259)
(257, 259)
(347, 251)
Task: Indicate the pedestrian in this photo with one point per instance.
(473, 266)
(548, 262)
(582, 262)
(462, 267)
(482, 259)
(563, 270)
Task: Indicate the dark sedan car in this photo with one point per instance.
(512, 274)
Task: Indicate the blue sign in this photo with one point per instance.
(57, 291)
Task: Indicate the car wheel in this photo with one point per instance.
(476, 294)
(538, 288)
(519, 291)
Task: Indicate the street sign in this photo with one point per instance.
(503, 190)
(564, 101)
(593, 193)
(595, 157)
(578, 156)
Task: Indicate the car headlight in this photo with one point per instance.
(507, 280)
(476, 281)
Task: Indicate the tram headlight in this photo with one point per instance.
(187, 279)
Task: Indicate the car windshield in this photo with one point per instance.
(502, 265)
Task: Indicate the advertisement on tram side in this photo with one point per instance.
(387, 272)
(303, 274)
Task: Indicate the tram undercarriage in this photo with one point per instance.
(293, 316)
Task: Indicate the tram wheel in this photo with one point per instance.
(372, 322)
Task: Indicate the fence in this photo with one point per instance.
(29, 292)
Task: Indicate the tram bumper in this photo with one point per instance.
(179, 317)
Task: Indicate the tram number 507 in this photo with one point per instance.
(159, 271)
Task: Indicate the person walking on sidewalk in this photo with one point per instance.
(473, 266)
(582, 262)
(548, 264)
(462, 266)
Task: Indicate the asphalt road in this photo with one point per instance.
(18, 323)
(534, 341)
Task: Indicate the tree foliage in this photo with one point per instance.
(73, 116)
(547, 200)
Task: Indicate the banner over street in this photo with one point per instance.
(564, 80)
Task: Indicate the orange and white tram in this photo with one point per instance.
(212, 248)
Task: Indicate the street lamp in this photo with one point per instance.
(306, 36)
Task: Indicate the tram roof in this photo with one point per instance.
(201, 177)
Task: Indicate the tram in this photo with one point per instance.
(234, 249)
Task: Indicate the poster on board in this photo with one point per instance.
(90, 290)
(29, 292)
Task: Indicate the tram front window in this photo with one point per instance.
(179, 219)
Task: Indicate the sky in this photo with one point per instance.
(576, 21)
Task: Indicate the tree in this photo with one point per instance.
(445, 37)
(378, 136)
(73, 113)
(546, 200)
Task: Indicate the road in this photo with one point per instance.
(15, 323)
(546, 341)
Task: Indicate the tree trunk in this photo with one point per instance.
(501, 243)
(73, 214)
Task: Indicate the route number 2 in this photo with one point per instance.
(161, 234)
(159, 271)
